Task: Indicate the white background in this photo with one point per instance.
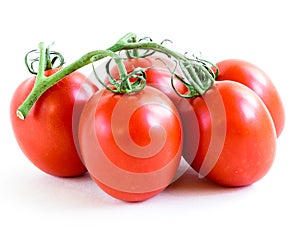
(34, 205)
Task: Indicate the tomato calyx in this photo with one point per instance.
(128, 82)
(53, 59)
(198, 76)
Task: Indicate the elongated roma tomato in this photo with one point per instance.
(131, 143)
(48, 135)
(229, 135)
(256, 79)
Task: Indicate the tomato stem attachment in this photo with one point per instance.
(38, 87)
(127, 83)
(197, 75)
(52, 57)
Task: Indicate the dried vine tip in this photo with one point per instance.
(20, 114)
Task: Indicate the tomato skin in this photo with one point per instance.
(236, 140)
(253, 77)
(131, 143)
(47, 136)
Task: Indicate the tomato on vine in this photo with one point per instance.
(130, 133)
(130, 137)
(48, 134)
(229, 135)
(131, 143)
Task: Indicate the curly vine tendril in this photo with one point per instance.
(53, 59)
(198, 75)
(127, 83)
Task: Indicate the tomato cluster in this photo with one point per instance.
(132, 144)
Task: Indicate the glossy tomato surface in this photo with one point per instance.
(256, 79)
(48, 135)
(229, 135)
(131, 143)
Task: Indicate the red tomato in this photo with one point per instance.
(131, 143)
(229, 135)
(157, 76)
(48, 134)
(257, 80)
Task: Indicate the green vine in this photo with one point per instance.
(198, 75)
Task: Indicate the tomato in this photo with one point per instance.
(229, 135)
(131, 143)
(157, 76)
(257, 80)
(48, 134)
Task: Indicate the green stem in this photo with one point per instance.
(125, 84)
(38, 88)
(121, 67)
(48, 59)
(128, 42)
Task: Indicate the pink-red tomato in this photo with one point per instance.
(131, 143)
(229, 135)
(257, 80)
(48, 135)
